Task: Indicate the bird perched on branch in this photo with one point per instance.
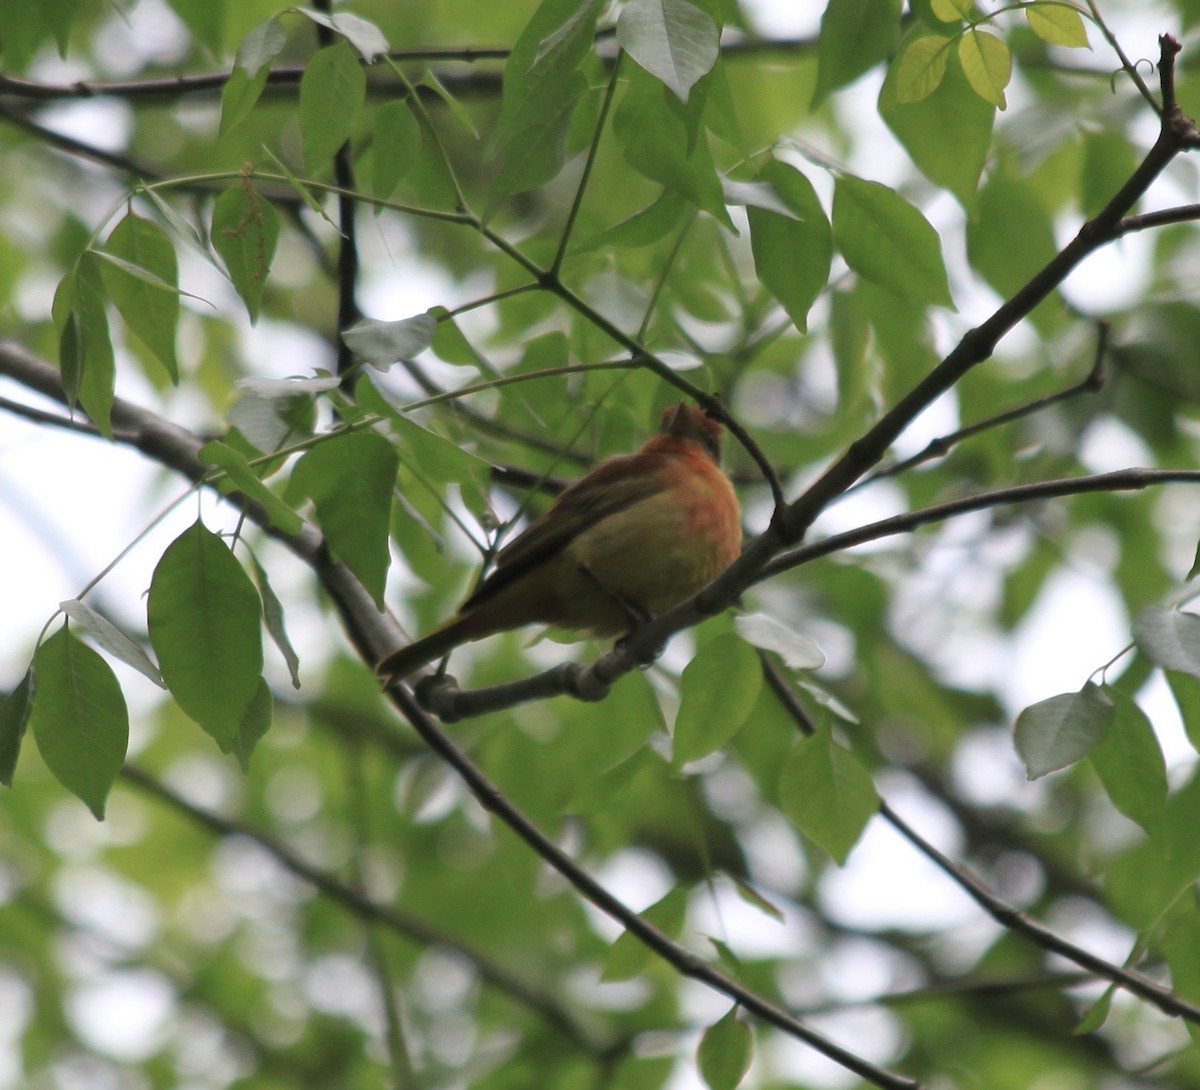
(637, 535)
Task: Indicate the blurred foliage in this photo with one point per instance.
(802, 225)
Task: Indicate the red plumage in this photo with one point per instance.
(637, 535)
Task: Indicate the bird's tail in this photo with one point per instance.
(408, 660)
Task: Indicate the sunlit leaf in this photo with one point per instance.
(1058, 24)
(987, 64)
(921, 67)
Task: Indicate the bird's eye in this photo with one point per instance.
(712, 444)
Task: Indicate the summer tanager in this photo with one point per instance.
(636, 536)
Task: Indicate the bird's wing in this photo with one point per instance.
(611, 487)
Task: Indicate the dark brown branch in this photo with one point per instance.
(943, 444)
(1014, 919)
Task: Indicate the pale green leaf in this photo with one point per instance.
(1058, 24)
(725, 1052)
(987, 64)
(827, 794)
(1060, 730)
(382, 344)
(717, 692)
(108, 636)
(921, 67)
(671, 39)
(1169, 638)
(332, 92)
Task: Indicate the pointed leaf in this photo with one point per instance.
(151, 311)
(921, 67)
(764, 631)
(245, 228)
(382, 344)
(1130, 764)
(79, 719)
(792, 253)
(1059, 731)
(1169, 638)
(717, 692)
(273, 616)
(396, 142)
(629, 956)
(885, 239)
(855, 36)
(725, 1052)
(332, 92)
(827, 794)
(672, 39)
(255, 723)
(369, 41)
(242, 475)
(204, 617)
(1057, 24)
(987, 64)
(14, 717)
(111, 638)
(350, 479)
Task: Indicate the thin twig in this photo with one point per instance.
(943, 444)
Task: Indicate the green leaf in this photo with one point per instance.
(662, 140)
(255, 723)
(673, 40)
(86, 352)
(14, 717)
(725, 1052)
(79, 719)
(1186, 690)
(396, 142)
(1097, 1014)
(1007, 258)
(792, 253)
(827, 794)
(242, 475)
(921, 67)
(205, 19)
(382, 344)
(1058, 24)
(151, 311)
(765, 632)
(950, 11)
(367, 39)
(541, 87)
(1057, 732)
(1169, 638)
(260, 47)
(111, 638)
(886, 240)
(987, 64)
(350, 478)
(1129, 762)
(245, 229)
(948, 132)
(273, 616)
(204, 618)
(438, 459)
(644, 227)
(332, 92)
(629, 956)
(717, 692)
(855, 36)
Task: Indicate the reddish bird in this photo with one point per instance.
(636, 536)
